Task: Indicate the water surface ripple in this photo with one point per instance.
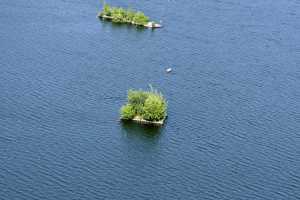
(233, 130)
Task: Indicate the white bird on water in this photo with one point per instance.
(168, 70)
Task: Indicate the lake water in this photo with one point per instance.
(233, 130)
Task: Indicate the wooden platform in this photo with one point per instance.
(140, 120)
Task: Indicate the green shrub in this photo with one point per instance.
(137, 97)
(150, 105)
(154, 108)
(127, 112)
(140, 18)
(130, 15)
(117, 14)
(106, 10)
(121, 15)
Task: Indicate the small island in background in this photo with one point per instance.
(146, 107)
(129, 16)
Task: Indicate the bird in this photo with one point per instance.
(168, 70)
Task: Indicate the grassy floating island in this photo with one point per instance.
(129, 16)
(146, 107)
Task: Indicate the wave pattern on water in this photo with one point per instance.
(233, 130)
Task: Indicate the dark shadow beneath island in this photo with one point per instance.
(141, 130)
(106, 23)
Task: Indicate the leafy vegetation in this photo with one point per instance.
(127, 112)
(154, 108)
(121, 15)
(148, 105)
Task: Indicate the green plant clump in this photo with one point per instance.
(127, 112)
(148, 105)
(121, 15)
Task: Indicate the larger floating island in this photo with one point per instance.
(128, 16)
(145, 107)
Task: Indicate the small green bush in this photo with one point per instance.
(140, 18)
(137, 97)
(127, 112)
(106, 10)
(154, 108)
(150, 105)
(130, 15)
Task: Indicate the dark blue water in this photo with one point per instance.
(233, 130)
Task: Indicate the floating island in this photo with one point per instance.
(127, 16)
(145, 107)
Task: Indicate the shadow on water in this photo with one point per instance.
(140, 138)
(140, 131)
(130, 27)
